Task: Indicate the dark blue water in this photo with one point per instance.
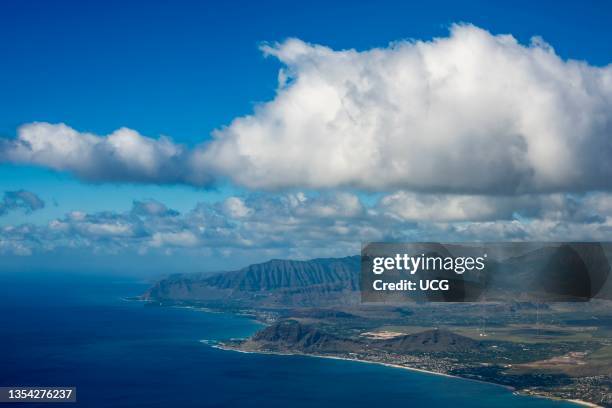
(77, 331)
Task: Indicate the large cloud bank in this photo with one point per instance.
(469, 113)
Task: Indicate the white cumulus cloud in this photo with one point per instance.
(122, 156)
(473, 112)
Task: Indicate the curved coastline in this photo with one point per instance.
(217, 344)
(221, 346)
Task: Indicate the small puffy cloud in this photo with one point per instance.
(337, 205)
(98, 226)
(234, 207)
(22, 200)
(106, 229)
(185, 239)
(294, 206)
(445, 207)
(152, 208)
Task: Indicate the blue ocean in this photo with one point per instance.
(77, 330)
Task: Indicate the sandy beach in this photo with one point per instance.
(574, 401)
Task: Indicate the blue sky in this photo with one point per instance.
(183, 69)
(186, 68)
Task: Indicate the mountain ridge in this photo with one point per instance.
(292, 335)
(278, 282)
